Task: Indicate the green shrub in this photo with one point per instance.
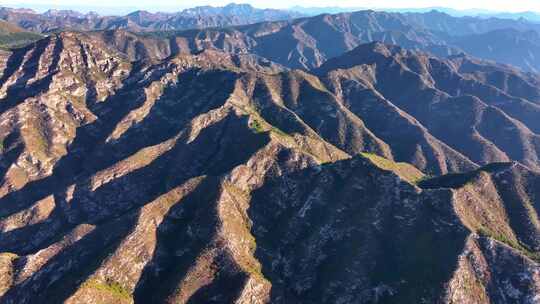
(109, 286)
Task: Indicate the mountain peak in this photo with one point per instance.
(363, 54)
(63, 13)
(378, 47)
(139, 12)
(239, 5)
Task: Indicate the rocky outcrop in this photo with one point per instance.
(221, 178)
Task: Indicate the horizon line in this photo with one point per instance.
(85, 8)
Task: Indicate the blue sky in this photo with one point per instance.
(155, 5)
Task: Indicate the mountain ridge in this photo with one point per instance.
(305, 42)
(308, 42)
(213, 176)
(197, 17)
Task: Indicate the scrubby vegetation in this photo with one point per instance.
(256, 126)
(458, 180)
(512, 243)
(17, 40)
(404, 170)
(111, 287)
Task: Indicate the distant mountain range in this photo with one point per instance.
(482, 13)
(530, 16)
(205, 16)
(304, 42)
(308, 42)
(198, 17)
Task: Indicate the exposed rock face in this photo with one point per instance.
(219, 178)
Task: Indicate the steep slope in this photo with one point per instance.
(13, 36)
(383, 238)
(108, 161)
(462, 26)
(219, 178)
(506, 45)
(7, 28)
(467, 108)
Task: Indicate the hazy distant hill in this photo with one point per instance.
(530, 16)
(482, 13)
(308, 42)
(198, 17)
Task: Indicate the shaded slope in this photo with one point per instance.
(221, 178)
(506, 45)
(373, 237)
(475, 116)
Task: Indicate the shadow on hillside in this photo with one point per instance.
(113, 207)
(13, 63)
(176, 251)
(108, 205)
(11, 149)
(90, 150)
(20, 90)
(354, 232)
(190, 226)
(71, 164)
